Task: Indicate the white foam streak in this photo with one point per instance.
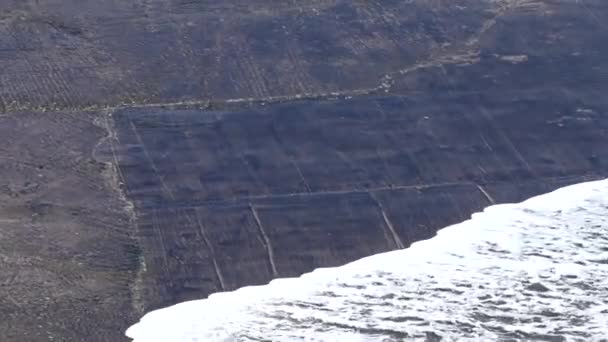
(537, 270)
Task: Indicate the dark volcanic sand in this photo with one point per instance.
(224, 144)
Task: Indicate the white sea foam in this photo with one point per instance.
(537, 270)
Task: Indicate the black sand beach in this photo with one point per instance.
(157, 151)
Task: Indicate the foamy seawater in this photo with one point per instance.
(534, 271)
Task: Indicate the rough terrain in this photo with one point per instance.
(156, 151)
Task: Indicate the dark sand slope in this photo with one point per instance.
(67, 254)
(227, 143)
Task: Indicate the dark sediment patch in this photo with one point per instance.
(320, 183)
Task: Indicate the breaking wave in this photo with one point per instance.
(536, 270)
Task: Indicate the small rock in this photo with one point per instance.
(538, 287)
(432, 337)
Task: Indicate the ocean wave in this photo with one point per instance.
(537, 270)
